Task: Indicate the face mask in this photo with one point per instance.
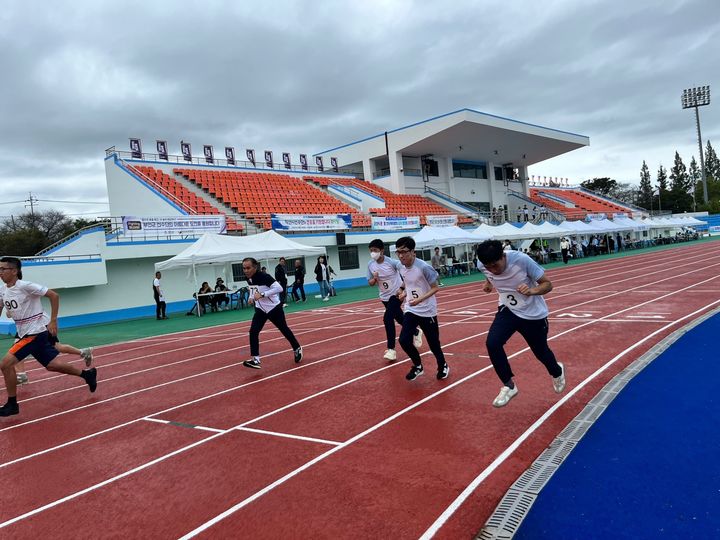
(375, 255)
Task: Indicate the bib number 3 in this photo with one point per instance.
(513, 299)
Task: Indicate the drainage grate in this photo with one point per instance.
(508, 516)
(535, 478)
(574, 430)
(605, 396)
(556, 453)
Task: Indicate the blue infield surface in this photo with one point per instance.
(650, 466)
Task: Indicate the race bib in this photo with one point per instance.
(513, 299)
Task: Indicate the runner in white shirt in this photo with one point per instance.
(265, 294)
(385, 273)
(36, 331)
(520, 283)
(421, 285)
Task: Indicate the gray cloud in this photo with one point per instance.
(303, 76)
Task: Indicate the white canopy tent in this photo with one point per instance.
(429, 237)
(220, 248)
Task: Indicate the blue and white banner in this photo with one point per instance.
(136, 148)
(173, 225)
(162, 149)
(299, 222)
(230, 155)
(442, 221)
(186, 150)
(395, 223)
(599, 215)
(209, 154)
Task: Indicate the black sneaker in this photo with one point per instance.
(298, 355)
(252, 363)
(443, 372)
(414, 373)
(9, 409)
(90, 376)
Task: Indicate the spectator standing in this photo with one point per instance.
(437, 261)
(299, 283)
(160, 305)
(322, 276)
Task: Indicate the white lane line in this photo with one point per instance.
(181, 424)
(440, 521)
(288, 436)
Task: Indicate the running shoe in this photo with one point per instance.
(414, 372)
(252, 363)
(87, 355)
(390, 354)
(327, 298)
(417, 339)
(22, 378)
(443, 372)
(90, 376)
(559, 382)
(505, 395)
(298, 355)
(9, 409)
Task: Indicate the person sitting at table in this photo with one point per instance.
(205, 298)
(222, 297)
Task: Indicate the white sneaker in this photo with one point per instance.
(417, 340)
(505, 395)
(390, 354)
(22, 378)
(284, 305)
(318, 296)
(327, 298)
(87, 355)
(559, 382)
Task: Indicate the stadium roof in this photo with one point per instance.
(467, 134)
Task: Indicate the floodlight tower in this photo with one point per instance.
(697, 97)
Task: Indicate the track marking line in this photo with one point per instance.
(184, 425)
(288, 436)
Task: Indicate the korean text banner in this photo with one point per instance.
(442, 221)
(298, 222)
(173, 225)
(395, 223)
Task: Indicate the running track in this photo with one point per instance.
(181, 441)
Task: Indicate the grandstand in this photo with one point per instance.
(576, 203)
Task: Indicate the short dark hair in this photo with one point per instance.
(490, 251)
(252, 260)
(377, 243)
(405, 242)
(17, 263)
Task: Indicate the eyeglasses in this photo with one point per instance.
(403, 251)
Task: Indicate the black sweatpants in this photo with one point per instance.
(159, 307)
(283, 294)
(429, 326)
(301, 286)
(275, 316)
(535, 332)
(393, 312)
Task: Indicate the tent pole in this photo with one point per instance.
(197, 298)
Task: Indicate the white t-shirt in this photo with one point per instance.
(156, 283)
(265, 284)
(389, 280)
(418, 279)
(22, 304)
(520, 269)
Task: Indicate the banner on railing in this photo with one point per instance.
(319, 163)
(185, 150)
(173, 225)
(136, 148)
(269, 158)
(442, 221)
(303, 162)
(387, 223)
(300, 222)
(209, 155)
(597, 216)
(162, 149)
(286, 160)
(334, 164)
(250, 153)
(230, 155)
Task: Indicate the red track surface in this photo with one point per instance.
(340, 446)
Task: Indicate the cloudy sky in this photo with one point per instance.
(78, 77)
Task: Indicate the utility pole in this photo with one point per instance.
(694, 98)
(31, 200)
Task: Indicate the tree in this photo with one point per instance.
(662, 185)
(695, 179)
(680, 198)
(712, 163)
(31, 232)
(645, 195)
(603, 186)
(627, 193)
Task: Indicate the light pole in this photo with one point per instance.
(694, 98)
